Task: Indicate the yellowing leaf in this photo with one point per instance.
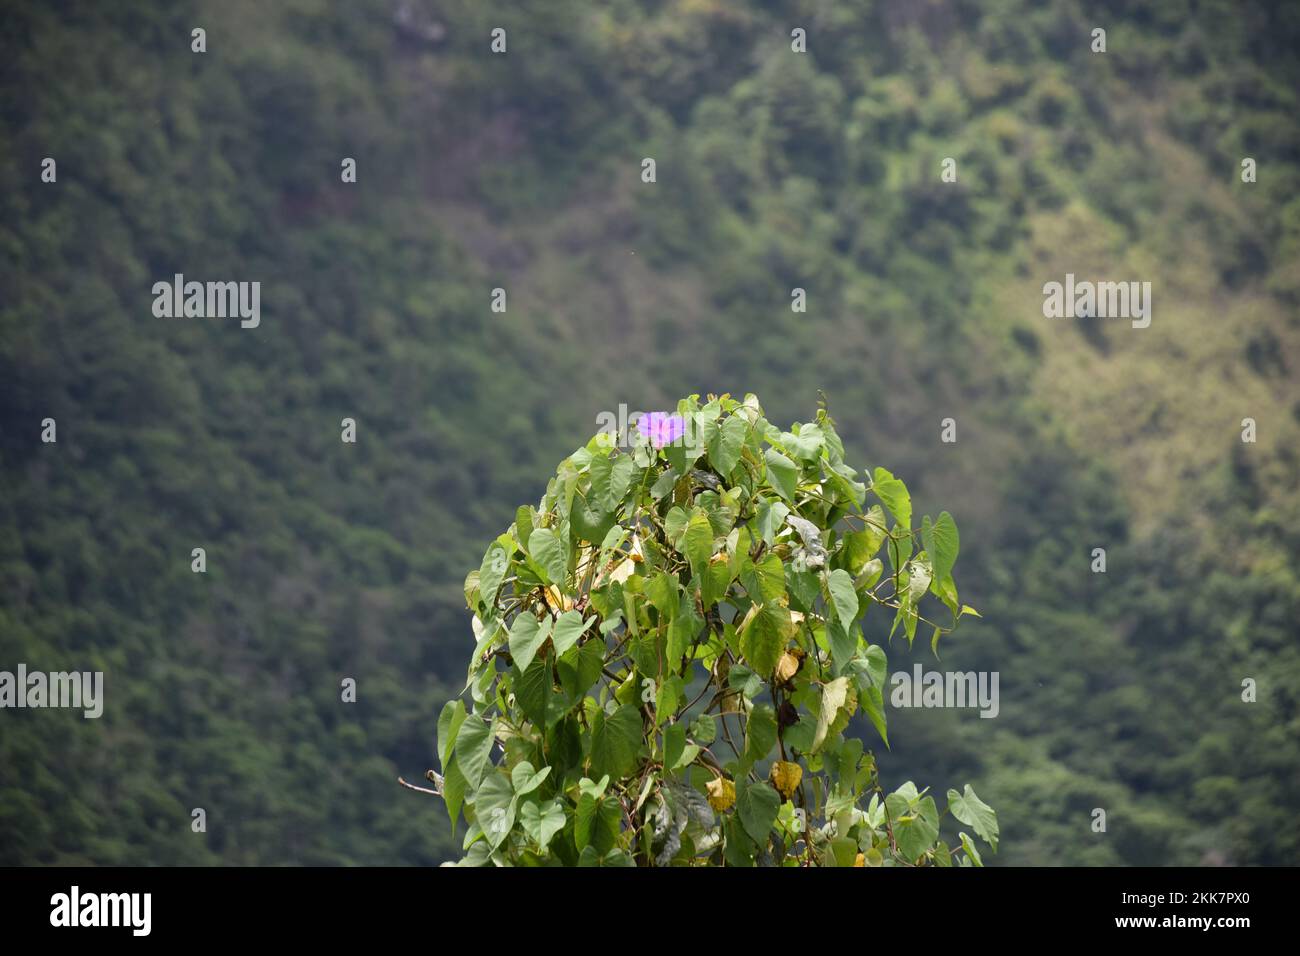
(558, 601)
(833, 695)
(787, 666)
(624, 571)
(722, 794)
(785, 776)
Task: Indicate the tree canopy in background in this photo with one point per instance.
(521, 171)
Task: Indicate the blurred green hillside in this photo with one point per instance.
(775, 170)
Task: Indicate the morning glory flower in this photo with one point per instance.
(661, 428)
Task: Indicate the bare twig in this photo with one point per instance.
(411, 786)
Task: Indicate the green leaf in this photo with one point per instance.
(523, 524)
(771, 519)
(647, 652)
(969, 846)
(861, 546)
(492, 572)
(725, 444)
(541, 821)
(581, 668)
(488, 634)
(674, 744)
(663, 592)
(760, 734)
(894, 494)
(843, 596)
(871, 572)
(602, 464)
(799, 735)
(975, 813)
(905, 615)
(783, 473)
(804, 588)
(916, 832)
(807, 444)
(901, 801)
(664, 484)
(844, 644)
(764, 581)
(714, 584)
(697, 542)
(616, 742)
(919, 576)
(675, 523)
(610, 478)
(844, 851)
(589, 521)
(550, 554)
(568, 629)
(494, 806)
(877, 666)
(596, 824)
(683, 630)
(614, 538)
(738, 849)
(689, 753)
(943, 545)
(682, 454)
(873, 702)
(763, 639)
(449, 723)
(757, 805)
(872, 676)
(941, 855)
(454, 788)
(473, 745)
(526, 779)
(594, 788)
(527, 634)
(590, 856)
(536, 694)
(704, 729)
(668, 697)
(479, 854)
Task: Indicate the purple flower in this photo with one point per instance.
(661, 428)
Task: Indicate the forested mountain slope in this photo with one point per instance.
(522, 171)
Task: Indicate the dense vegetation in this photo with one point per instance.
(700, 569)
(775, 170)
